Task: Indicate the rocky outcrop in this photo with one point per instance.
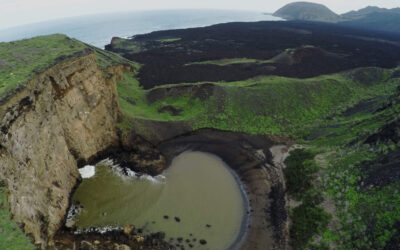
(64, 117)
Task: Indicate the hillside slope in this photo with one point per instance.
(388, 21)
(364, 12)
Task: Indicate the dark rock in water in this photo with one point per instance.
(177, 219)
(180, 239)
(203, 242)
(190, 245)
(194, 240)
(208, 225)
(190, 234)
(187, 240)
(166, 217)
(159, 235)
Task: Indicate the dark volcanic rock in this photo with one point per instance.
(203, 242)
(388, 133)
(322, 48)
(383, 171)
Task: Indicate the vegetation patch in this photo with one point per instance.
(11, 236)
(229, 61)
(169, 40)
(308, 219)
(300, 167)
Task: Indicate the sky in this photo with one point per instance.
(19, 12)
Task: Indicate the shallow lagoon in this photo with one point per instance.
(196, 198)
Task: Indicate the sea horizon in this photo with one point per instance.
(98, 29)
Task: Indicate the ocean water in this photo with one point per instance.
(98, 29)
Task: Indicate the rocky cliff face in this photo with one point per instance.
(65, 116)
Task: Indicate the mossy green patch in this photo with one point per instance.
(11, 236)
(126, 45)
(229, 61)
(169, 40)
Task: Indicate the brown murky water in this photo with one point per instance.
(198, 189)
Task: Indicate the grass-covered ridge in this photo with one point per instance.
(277, 105)
(22, 60)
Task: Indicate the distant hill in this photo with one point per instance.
(374, 18)
(307, 11)
(364, 12)
(383, 21)
(368, 18)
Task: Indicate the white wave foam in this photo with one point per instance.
(100, 230)
(87, 171)
(127, 173)
(156, 179)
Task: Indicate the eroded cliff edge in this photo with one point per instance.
(65, 115)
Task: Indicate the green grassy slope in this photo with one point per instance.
(368, 214)
(276, 105)
(22, 60)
